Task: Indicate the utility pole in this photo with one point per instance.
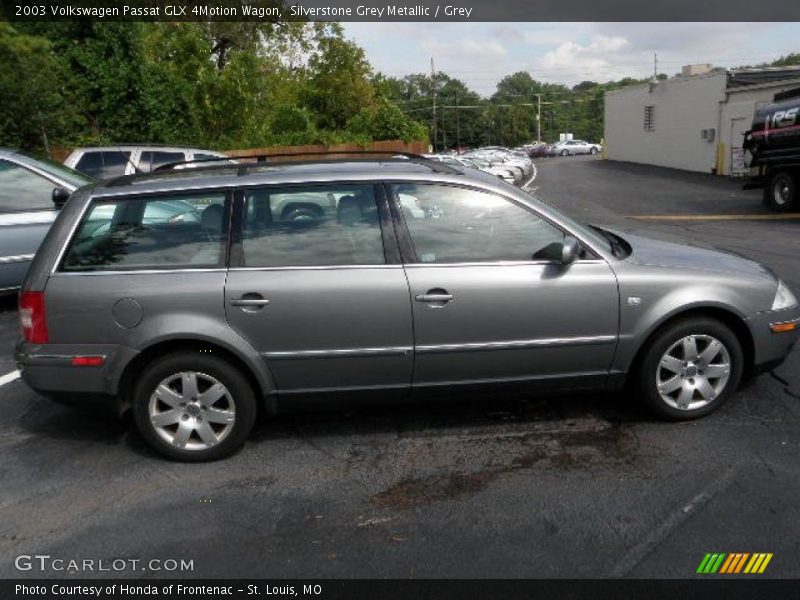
(538, 117)
(433, 93)
(655, 67)
(458, 128)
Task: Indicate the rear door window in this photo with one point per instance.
(104, 164)
(157, 232)
(21, 189)
(328, 225)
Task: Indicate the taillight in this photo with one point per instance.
(32, 318)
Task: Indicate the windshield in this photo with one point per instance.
(71, 176)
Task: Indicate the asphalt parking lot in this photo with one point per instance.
(512, 486)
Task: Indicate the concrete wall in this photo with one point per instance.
(683, 108)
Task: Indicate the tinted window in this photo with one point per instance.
(104, 164)
(311, 226)
(21, 189)
(450, 224)
(150, 161)
(164, 232)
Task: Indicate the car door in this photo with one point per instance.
(323, 298)
(492, 301)
(26, 213)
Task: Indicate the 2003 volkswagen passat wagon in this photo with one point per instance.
(403, 276)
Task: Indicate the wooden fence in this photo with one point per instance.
(341, 150)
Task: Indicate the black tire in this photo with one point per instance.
(593, 150)
(646, 382)
(565, 153)
(235, 383)
(780, 194)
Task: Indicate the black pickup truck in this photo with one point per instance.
(774, 145)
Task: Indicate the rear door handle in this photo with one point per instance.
(250, 302)
(433, 297)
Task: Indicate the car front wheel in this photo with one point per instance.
(593, 150)
(690, 369)
(194, 407)
(565, 153)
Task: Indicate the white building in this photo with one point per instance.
(694, 121)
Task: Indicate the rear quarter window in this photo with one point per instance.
(157, 232)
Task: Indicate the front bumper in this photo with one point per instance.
(772, 348)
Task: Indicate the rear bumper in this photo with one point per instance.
(49, 368)
(770, 349)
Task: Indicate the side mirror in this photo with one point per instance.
(60, 196)
(570, 250)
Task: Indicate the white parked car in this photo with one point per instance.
(476, 162)
(103, 162)
(573, 147)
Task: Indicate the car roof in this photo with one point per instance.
(253, 174)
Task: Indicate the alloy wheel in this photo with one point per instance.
(192, 411)
(693, 372)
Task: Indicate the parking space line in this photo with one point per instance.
(9, 377)
(638, 553)
(755, 217)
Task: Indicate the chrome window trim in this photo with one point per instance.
(339, 353)
(6, 260)
(507, 263)
(140, 272)
(517, 344)
(317, 267)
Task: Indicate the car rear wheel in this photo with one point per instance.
(565, 153)
(781, 193)
(690, 369)
(194, 407)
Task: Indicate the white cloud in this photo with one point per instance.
(468, 48)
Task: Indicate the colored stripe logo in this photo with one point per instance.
(734, 563)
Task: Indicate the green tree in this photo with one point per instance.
(385, 121)
(31, 93)
(338, 84)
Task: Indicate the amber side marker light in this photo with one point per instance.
(783, 327)
(88, 361)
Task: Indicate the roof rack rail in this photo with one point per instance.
(435, 165)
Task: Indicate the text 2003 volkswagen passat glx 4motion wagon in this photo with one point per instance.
(394, 276)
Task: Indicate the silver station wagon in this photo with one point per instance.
(408, 276)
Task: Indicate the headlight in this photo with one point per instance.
(784, 298)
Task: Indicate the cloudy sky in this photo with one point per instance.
(481, 53)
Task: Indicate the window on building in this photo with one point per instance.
(649, 118)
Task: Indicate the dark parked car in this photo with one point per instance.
(419, 277)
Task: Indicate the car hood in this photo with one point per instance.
(691, 256)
